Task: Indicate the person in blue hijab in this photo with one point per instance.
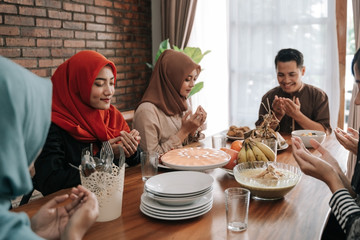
(24, 122)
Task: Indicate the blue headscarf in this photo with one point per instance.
(25, 116)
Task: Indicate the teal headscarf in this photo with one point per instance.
(25, 116)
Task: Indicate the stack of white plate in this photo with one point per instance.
(177, 195)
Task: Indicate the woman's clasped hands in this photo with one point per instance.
(128, 141)
(70, 221)
(191, 122)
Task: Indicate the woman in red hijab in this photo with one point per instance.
(82, 115)
(162, 117)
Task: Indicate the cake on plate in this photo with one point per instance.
(195, 158)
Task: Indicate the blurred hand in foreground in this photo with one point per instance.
(349, 140)
(70, 221)
(324, 168)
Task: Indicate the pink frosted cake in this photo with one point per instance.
(198, 157)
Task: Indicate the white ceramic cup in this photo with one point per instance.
(218, 141)
(237, 208)
(149, 164)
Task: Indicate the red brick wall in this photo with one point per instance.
(41, 34)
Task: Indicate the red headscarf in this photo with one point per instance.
(71, 110)
(171, 70)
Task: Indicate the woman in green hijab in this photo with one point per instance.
(24, 122)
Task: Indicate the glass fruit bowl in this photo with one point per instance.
(267, 180)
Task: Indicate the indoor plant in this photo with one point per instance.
(194, 53)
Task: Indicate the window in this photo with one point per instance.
(244, 36)
(350, 51)
(259, 29)
(210, 33)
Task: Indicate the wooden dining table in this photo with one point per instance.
(301, 214)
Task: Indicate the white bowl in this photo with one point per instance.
(265, 188)
(179, 183)
(306, 135)
(177, 201)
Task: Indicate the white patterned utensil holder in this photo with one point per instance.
(108, 188)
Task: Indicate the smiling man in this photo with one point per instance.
(296, 105)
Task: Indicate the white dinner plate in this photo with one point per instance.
(283, 147)
(163, 166)
(229, 171)
(153, 204)
(177, 213)
(176, 201)
(233, 138)
(188, 195)
(179, 182)
(167, 217)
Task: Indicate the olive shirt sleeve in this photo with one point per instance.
(157, 130)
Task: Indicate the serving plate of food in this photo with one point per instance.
(196, 158)
(234, 138)
(160, 165)
(236, 133)
(283, 146)
(229, 171)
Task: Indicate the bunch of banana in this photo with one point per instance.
(255, 151)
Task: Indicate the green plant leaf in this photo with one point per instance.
(198, 86)
(195, 54)
(162, 47)
(177, 49)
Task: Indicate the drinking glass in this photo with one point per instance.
(272, 144)
(237, 208)
(218, 141)
(149, 164)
